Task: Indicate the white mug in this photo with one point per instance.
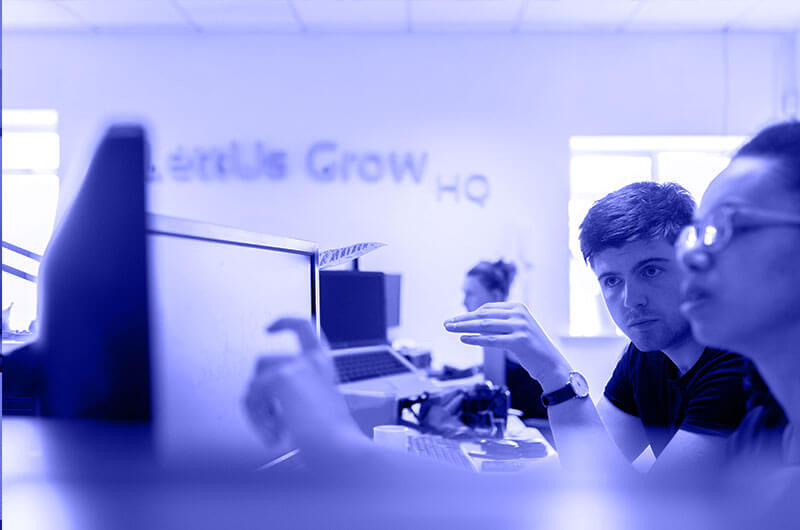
(393, 436)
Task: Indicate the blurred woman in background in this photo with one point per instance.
(491, 282)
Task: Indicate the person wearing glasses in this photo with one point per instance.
(742, 287)
(668, 391)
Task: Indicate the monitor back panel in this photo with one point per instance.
(210, 302)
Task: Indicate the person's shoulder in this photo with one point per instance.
(723, 355)
(728, 376)
(716, 360)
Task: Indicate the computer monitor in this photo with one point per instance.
(153, 320)
(90, 359)
(213, 291)
(393, 284)
(353, 308)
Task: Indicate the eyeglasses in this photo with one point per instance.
(715, 232)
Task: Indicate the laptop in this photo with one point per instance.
(353, 318)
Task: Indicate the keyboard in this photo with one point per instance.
(501, 466)
(441, 449)
(367, 365)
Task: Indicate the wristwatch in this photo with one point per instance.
(576, 387)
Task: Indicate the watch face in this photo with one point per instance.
(579, 384)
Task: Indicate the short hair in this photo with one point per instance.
(780, 142)
(642, 211)
(498, 275)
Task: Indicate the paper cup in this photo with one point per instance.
(393, 436)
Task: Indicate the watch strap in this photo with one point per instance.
(565, 393)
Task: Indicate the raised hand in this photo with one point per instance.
(295, 394)
(510, 326)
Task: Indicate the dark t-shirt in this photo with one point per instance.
(711, 398)
(526, 392)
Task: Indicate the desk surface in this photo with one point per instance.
(519, 450)
(85, 481)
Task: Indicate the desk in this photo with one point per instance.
(522, 448)
(516, 431)
(121, 491)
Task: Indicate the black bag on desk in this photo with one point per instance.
(480, 411)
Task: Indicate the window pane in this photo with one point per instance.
(30, 151)
(20, 262)
(600, 174)
(588, 315)
(30, 187)
(29, 210)
(578, 207)
(22, 294)
(693, 171)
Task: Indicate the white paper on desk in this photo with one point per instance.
(337, 256)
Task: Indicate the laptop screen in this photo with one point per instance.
(353, 308)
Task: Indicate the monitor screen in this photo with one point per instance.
(213, 291)
(353, 308)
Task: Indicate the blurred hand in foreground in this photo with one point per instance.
(295, 395)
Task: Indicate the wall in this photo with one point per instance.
(500, 106)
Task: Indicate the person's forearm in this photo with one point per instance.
(581, 439)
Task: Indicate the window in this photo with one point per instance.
(601, 164)
(30, 148)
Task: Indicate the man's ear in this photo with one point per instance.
(497, 295)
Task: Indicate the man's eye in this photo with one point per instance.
(611, 282)
(651, 272)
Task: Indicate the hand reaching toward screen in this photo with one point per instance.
(510, 326)
(295, 395)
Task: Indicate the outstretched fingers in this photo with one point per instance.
(478, 314)
(496, 341)
(310, 344)
(483, 325)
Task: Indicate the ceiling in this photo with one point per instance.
(399, 16)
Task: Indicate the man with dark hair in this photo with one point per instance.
(667, 391)
(638, 211)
